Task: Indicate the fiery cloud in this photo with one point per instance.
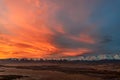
(48, 28)
(30, 28)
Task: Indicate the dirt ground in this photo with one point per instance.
(63, 71)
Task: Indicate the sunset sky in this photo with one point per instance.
(58, 28)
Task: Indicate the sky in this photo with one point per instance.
(59, 28)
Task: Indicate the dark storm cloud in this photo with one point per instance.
(101, 21)
(64, 41)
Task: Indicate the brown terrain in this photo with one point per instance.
(59, 71)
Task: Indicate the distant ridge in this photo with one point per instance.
(25, 60)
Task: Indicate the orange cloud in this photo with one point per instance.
(76, 52)
(85, 38)
(27, 28)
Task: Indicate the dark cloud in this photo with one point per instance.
(64, 41)
(106, 39)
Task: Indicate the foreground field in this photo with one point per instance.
(59, 71)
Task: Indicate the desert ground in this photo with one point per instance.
(59, 71)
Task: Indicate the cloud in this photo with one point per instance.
(57, 28)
